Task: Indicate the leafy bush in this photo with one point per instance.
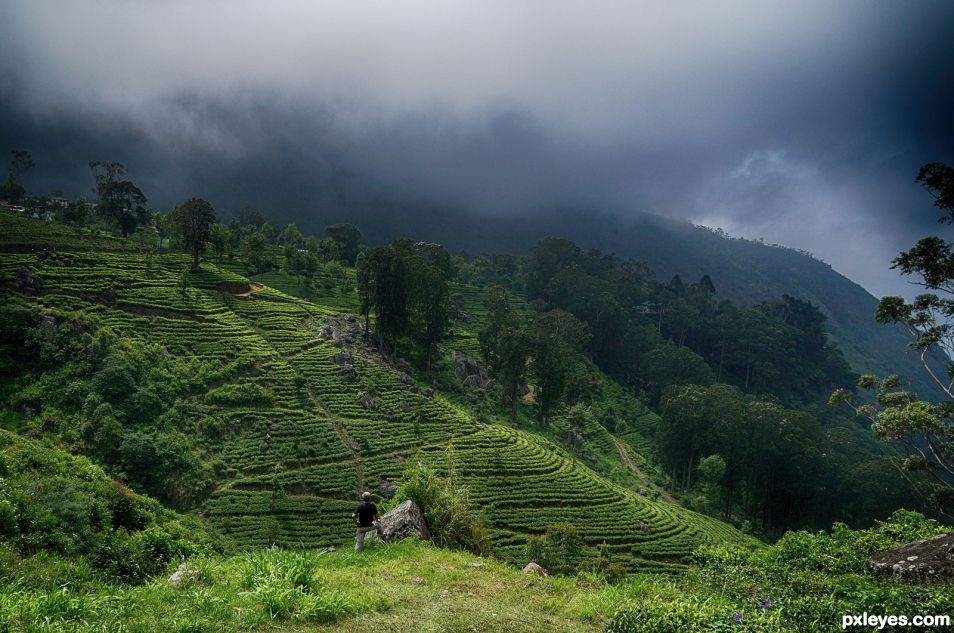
(847, 551)
(54, 503)
(451, 519)
(559, 550)
(813, 579)
(691, 613)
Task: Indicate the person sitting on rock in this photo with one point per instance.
(364, 516)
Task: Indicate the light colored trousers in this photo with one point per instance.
(359, 536)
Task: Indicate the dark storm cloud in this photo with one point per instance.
(803, 123)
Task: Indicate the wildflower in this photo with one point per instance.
(737, 617)
(765, 604)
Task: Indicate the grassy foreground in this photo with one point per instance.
(409, 586)
(806, 582)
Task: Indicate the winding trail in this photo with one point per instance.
(253, 287)
(628, 461)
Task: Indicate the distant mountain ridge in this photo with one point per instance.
(743, 271)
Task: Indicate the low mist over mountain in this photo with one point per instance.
(743, 271)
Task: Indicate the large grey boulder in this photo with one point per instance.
(470, 373)
(343, 358)
(403, 522)
(371, 401)
(921, 560)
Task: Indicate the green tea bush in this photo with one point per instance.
(559, 550)
(814, 579)
(691, 613)
(847, 551)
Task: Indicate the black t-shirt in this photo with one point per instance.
(366, 513)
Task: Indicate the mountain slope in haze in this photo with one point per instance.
(743, 271)
(748, 272)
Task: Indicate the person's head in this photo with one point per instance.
(366, 496)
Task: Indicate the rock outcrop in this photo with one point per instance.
(403, 522)
(371, 401)
(470, 373)
(343, 358)
(183, 575)
(920, 560)
(27, 283)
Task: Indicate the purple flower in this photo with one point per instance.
(765, 603)
(737, 617)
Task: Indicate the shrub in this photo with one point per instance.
(116, 380)
(665, 615)
(559, 549)
(450, 517)
(848, 551)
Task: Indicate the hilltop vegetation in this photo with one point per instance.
(806, 582)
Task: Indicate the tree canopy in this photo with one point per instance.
(195, 218)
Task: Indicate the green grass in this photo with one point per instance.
(410, 586)
(805, 583)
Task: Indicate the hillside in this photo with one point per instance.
(743, 271)
(283, 443)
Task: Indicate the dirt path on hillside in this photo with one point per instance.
(252, 289)
(628, 461)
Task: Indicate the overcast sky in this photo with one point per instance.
(800, 122)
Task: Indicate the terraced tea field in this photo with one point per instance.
(294, 443)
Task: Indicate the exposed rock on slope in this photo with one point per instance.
(930, 558)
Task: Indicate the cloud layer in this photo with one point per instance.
(803, 123)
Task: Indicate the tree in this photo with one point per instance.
(512, 364)
(21, 163)
(220, 237)
(925, 429)
(382, 282)
(500, 318)
(256, 255)
(558, 337)
(250, 217)
(290, 236)
(669, 364)
(119, 200)
(505, 345)
(235, 237)
(268, 232)
(77, 212)
(195, 218)
(578, 418)
(428, 298)
(347, 237)
(707, 286)
(364, 278)
(12, 188)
